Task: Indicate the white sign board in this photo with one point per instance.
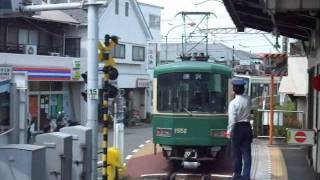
(5, 73)
(93, 93)
(300, 136)
(152, 55)
(141, 83)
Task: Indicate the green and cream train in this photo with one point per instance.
(190, 104)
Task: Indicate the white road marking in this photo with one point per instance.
(148, 141)
(141, 146)
(221, 175)
(136, 150)
(128, 157)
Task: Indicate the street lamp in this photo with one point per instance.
(174, 27)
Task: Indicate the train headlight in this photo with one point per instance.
(220, 133)
(164, 132)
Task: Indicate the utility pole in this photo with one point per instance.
(92, 63)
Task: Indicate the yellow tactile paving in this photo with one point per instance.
(279, 168)
(147, 149)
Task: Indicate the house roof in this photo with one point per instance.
(150, 5)
(141, 18)
(253, 14)
(55, 16)
(81, 16)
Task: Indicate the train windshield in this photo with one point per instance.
(192, 92)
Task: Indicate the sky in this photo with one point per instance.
(256, 43)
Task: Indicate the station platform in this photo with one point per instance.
(276, 162)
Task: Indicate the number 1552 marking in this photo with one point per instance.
(180, 131)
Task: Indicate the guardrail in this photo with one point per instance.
(282, 119)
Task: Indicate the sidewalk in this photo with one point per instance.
(289, 163)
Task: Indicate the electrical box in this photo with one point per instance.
(58, 155)
(81, 151)
(22, 162)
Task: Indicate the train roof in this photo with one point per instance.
(190, 66)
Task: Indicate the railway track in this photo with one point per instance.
(217, 170)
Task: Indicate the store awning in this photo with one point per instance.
(254, 14)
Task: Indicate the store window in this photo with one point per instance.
(45, 86)
(4, 106)
(138, 53)
(48, 104)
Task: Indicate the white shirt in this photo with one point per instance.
(239, 110)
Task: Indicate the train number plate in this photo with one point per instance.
(180, 131)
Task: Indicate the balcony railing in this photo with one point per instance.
(41, 50)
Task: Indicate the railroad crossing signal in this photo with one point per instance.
(110, 159)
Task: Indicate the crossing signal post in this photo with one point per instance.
(109, 160)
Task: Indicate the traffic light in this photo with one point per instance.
(84, 93)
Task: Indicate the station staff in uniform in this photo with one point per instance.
(240, 132)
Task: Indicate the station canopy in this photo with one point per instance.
(255, 14)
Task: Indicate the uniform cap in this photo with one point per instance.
(238, 82)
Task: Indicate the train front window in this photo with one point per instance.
(196, 92)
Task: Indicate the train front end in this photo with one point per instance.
(190, 111)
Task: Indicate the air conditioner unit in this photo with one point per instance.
(30, 49)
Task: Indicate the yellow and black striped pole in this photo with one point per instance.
(105, 131)
(109, 91)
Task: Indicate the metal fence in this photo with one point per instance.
(282, 119)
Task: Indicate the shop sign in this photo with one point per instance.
(5, 73)
(143, 83)
(76, 74)
(152, 55)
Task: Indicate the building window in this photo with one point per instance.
(28, 37)
(72, 47)
(117, 7)
(127, 9)
(119, 51)
(138, 53)
(154, 22)
(5, 5)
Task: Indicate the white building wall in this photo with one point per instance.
(153, 47)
